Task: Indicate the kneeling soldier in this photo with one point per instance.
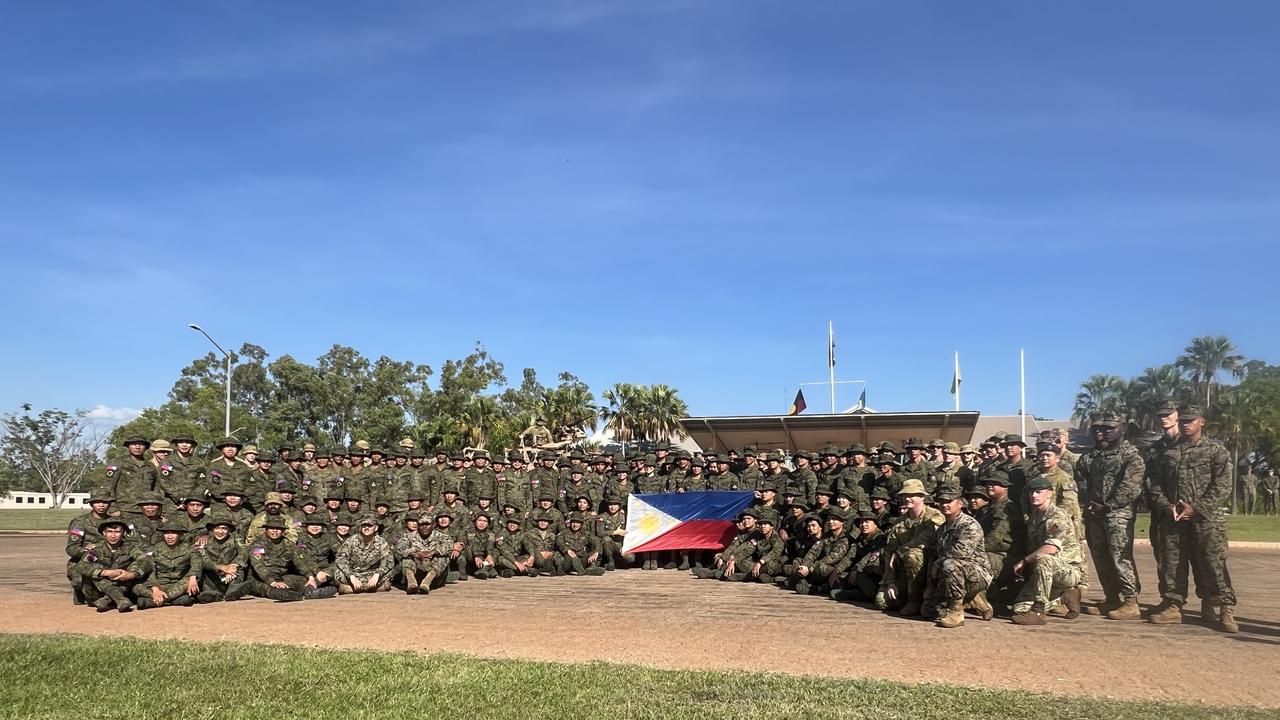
(107, 571)
(276, 571)
(1055, 566)
(579, 550)
(959, 573)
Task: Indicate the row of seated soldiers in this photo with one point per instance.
(394, 476)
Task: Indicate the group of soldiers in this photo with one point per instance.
(932, 530)
(1259, 490)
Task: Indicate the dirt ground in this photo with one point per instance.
(668, 619)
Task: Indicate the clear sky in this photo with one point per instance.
(678, 192)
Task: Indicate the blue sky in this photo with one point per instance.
(679, 192)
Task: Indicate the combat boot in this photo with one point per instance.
(952, 616)
(283, 595)
(1227, 620)
(703, 573)
(1166, 613)
(1104, 607)
(911, 609)
(1071, 602)
(319, 593)
(1208, 613)
(802, 587)
(102, 604)
(506, 573)
(684, 562)
(982, 606)
(410, 582)
(125, 606)
(593, 571)
(235, 591)
(424, 587)
(1033, 616)
(610, 566)
(146, 603)
(766, 579)
(1128, 610)
(181, 601)
(208, 596)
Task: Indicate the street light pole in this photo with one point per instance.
(197, 328)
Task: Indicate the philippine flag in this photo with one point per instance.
(683, 521)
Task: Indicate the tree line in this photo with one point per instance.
(1245, 414)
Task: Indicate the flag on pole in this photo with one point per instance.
(798, 406)
(955, 377)
(862, 399)
(700, 520)
(831, 347)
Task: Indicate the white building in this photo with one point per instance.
(23, 500)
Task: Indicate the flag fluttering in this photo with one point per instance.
(798, 405)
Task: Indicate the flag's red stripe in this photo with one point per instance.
(693, 535)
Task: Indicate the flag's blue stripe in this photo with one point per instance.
(701, 505)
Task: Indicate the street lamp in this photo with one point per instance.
(197, 328)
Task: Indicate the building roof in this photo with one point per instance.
(814, 432)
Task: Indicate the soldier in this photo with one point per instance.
(364, 562)
(737, 554)
(539, 546)
(1111, 477)
(479, 546)
(143, 527)
(83, 536)
(865, 571)
(228, 472)
(1268, 490)
(611, 528)
(457, 532)
(579, 549)
(959, 573)
(187, 473)
(479, 480)
(1055, 567)
(234, 510)
(889, 479)
(1015, 463)
(806, 533)
(105, 572)
(223, 560)
(1248, 490)
(134, 477)
(824, 564)
(857, 473)
(618, 488)
(195, 519)
(425, 556)
(273, 507)
(917, 466)
(174, 577)
(904, 555)
(1192, 480)
(750, 476)
(509, 549)
(1065, 493)
(276, 569)
(803, 480)
(319, 551)
(767, 548)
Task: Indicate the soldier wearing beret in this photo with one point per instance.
(1055, 566)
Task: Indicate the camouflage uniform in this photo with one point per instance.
(319, 552)
(214, 552)
(186, 477)
(611, 529)
(424, 558)
(904, 554)
(273, 561)
(579, 551)
(1050, 575)
(171, 569)
(87, 573)
(361, 559)
(961, 568)
(534, 542)
(1111, 479)
(129, 481)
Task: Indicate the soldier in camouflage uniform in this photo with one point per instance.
(223, 560)
(479, 546)
(227, 472)
(1054, 568)
(176, 568)
(1191, 482)
(824, 564)
(865, 570)
(611, 528)
(509, 551)
(904, 554)
(133, 478)
(364, 561)
(83, 535)
(187, 473)
(424, 556)
(539, 545)
(319, 550)
(143, 527)
(276, 569)
(917, 466)
(105, 572)
(959, 572)
(273, 506)
(765, 562)
(1110, 475)
(578, 548)
(737, 554)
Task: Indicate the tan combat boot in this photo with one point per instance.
(952, 616)
(1033, 616)
(425, 586)
(1166, 613)
(1127, 611)
(1103, 607)
(1227, 619)
(1071, 604)
(410, 582)
(981, 606)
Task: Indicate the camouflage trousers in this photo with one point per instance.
(1248, 498)
(1202, 545)
(1047, 578)
(91, 589)
(172, 590)
(905, 571)
(1159, 523)
(959, 581)
(259, 588)
(344, 580)
(611, 549)
(1110, 539)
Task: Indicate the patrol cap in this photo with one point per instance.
(1038, 483)
(937, 443)
(229, 441)
(276, 522)
(1110, 419)
(912, 487)
(1190, 412)
(1166, 408)
(113, 521)
(425, 518)
(996, 477)
(946, 493)
(273, 497)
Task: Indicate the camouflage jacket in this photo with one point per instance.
(765, 549)
(359, 558)
(535, 540)
(82, 534)
(173, 564)
(130, 480)
(908, 532)
(270, 560)
(1198, 474)
(613, 526)
(1111, 477)
(831, 550)
(1065, 494)
(125, 556)
(438, 544)
(319, 551)
(961, 540)
(507, 544)
(225, 552)
(724, 481)
(1055, 528)
(583, 543)
(479, 544)
(865, 551)
(186, 477)
(221, 477)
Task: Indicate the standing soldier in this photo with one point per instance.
(134, 477)
(1110, 476)
(227, 472)
(1193, 480)
(188, 473)
(917, 466)
(1248, 490)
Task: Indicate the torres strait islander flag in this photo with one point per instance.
(683, 521)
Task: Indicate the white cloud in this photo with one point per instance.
(110, 416)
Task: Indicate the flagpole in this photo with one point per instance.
(957, 380)
(831, 362)
(1022, 402)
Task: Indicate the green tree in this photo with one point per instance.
(621, 414)
(1155, 387)
(55, 446)
(1100, 393)
(1205, 358)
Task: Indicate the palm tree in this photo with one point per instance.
(661, 411)
(1100, 393)
(1205, 357)
(619, 415)
(569, 406)
(1155, 387)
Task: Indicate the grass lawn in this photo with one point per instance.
(75, 677)
(13, 519)
(1253, 528)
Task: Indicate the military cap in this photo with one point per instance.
(613, 501)
(425, 518)
(308, 500)
(113, 521)
(1167, 408)
(886, 459)
(196, 497)
(288, 486)
(880, 492)
(912, 487)
(337, 451)
(995, 477)
(946, 493)
(968, 449)
(547, 494)
(1049, 435)
(837, 513)
(798, 504)
(266, 457)
(888, 447)
(183, 437)
(1111, 419)
(407, 443)
(952, 448)
(101, 495)
(273, 497)
(621, 470)
(315, 520)
(275, 521)
(228, 441)
(480, 454)
(1190, 412)
(512, 519)
(542, 517)
(825, 491)
(574, 517)
(577, 470)
(334, 494)
(513, 506)
(1038, 483)
(978, 491)
(136, 440)
(990, 442)
(171, 526)
(913, 443)
(309, 447)
(417, 455)
(285, 446)
(865, 514)
(811, 517)
(650, 459)
(151, 498)
(218, 520)
(161, 445)
(416, 495)
(773, 455)
(856, 449)
(663, 445)
(382, 502)
(356, 451)
(577, 454)
(748, 511)
(444, 512)
(937, 443)
(1048, 446)
(765, 515)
